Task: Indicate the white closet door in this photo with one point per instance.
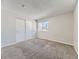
(25, 30)
(20, 30)
(30, 29)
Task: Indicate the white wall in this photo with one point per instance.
(14, 31)
(76, 28)
(60, 29)
(7, 27)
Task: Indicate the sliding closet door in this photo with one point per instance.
(20, 30)
(30, 29)
(25, 29)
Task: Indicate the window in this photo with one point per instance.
(43, 26)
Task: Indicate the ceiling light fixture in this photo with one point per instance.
(23, 5)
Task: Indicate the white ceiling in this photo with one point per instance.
(35, 9)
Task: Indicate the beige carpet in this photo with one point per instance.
(38, 49)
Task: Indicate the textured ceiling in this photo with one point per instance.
(35, 9)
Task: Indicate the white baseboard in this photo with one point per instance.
(12, 43)
(59, 42)
(75, 50)
(29, 39)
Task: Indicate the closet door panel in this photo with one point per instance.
(20, 30)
